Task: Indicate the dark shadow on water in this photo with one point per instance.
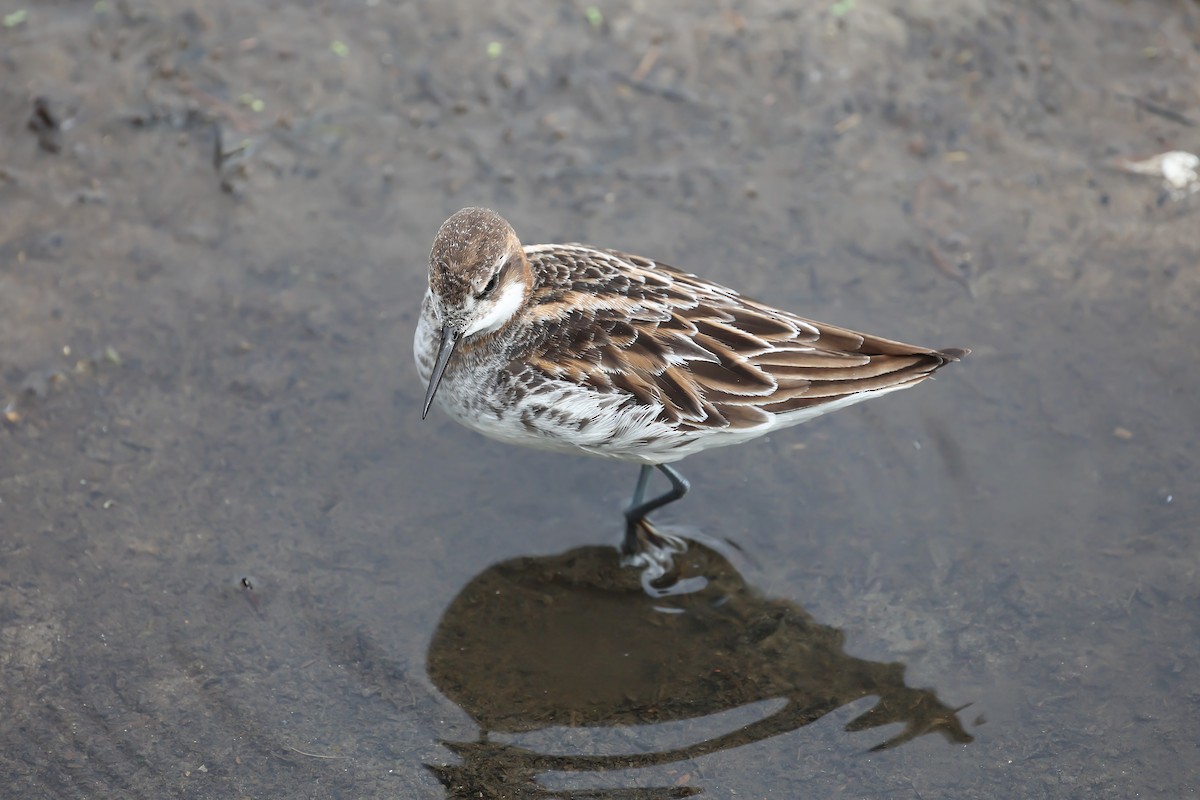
(572, 641)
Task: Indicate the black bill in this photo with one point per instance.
(445, 349)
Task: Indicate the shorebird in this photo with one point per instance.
(581, 349)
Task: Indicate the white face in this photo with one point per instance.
(489, 314)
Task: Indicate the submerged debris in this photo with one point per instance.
(40, 383)
(45, 125)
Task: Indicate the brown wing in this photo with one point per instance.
(710, 357)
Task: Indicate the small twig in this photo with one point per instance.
(645, 65)
(668, 92)
(943, 265)
(923, 195)
(1156, 108)
(217, 106)
(312, 755)
(922, 198)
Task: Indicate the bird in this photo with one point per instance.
(580, 349)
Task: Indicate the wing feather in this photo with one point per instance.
(702, 353)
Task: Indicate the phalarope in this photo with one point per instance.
(579, 349)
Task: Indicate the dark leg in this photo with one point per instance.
(639, 491)
(635, 515)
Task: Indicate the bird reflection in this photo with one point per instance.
(573, 641)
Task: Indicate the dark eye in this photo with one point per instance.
(491, 284)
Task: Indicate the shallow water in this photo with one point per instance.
(235, 562)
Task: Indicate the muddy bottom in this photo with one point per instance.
(234, 562)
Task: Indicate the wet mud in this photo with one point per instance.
(235, 562)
